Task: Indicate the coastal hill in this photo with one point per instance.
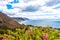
(7, 22)
(20, 18)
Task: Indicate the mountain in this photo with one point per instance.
(7, 22)
(20, 18)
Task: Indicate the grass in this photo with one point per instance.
(30, 33)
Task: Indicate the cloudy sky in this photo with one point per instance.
(32, 9)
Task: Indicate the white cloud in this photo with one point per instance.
(43, 12)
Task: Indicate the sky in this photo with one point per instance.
(32, 9)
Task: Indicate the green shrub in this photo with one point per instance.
(31, 33)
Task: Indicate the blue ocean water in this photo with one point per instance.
(44, 22)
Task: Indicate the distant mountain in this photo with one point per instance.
(20, 18)
(7, 22)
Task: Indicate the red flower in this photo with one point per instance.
(45, 36)
(28, 31)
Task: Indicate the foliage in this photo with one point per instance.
(30, 33)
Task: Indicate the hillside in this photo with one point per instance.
(7, 22)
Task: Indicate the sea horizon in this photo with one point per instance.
(54, 23)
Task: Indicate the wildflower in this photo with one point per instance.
(45, 36)
(28, 31)
(4, 36)
(30, 27)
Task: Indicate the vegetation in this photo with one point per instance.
(12, 30)
(26, 32)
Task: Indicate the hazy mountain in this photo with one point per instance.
(20, 18)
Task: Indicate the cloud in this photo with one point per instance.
(53, 2)
(58, 8)
(26, 1)
(32, 9)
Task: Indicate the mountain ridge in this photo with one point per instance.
(20, 18)
(7, 21)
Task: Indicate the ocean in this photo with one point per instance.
(43, 22)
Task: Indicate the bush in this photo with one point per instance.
(31, 33)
